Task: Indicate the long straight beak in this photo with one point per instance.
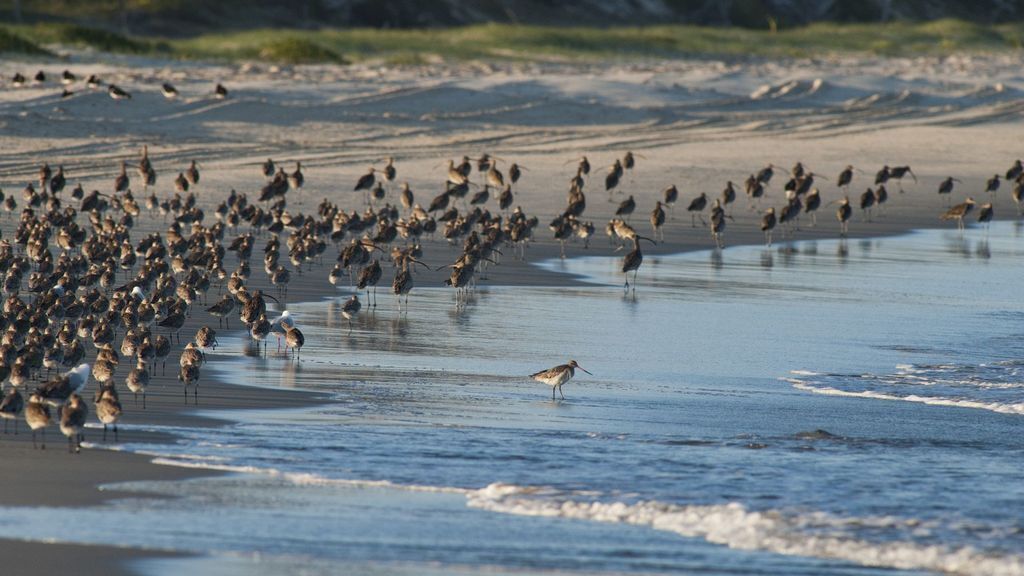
(584, 369)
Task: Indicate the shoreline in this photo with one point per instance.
(111, 467)
(699, 157)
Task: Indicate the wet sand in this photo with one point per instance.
(695, 124)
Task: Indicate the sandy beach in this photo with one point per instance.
(695, 124)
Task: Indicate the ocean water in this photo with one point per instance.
(829, 407)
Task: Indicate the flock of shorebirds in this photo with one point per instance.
(69, 79)
(61, 272)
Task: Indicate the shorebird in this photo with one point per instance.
(658, 220)
(108, 409)
(169, 91)
(628, 161)
(192, 173)
(494, 177)
(121, 183)
(718, 217)
(767, 224)
(583, 165)
(754, 189)
(867, 200)
(366, 181)
(881, 196)
(626, 208)
(37, 416)
(296, 179)
(350, 309)
(843, 214)
(294, 340)
(406, 196)
(173, 323)
(138, 380)
(206, 338)
(189, 376)
(557, 376)
(695, 208)
(455, 175)
(611, 180)
(117, 93)
(1018, 195)
(58, 181)
(68, 77)
(72, 422)
(162, 349)
(897, 173)
(632, 261)
(728, 193)
(845, 177)
(368, 278)
(259, 330)
(11, 408)
(946, 186)
(985, 214)
(222, 310)
(958, 212)
(191, 354)
(811, 204)
(220, 92)
(181, 183)
(764, 175)
(1015, 171)
(882, 176)
(669, 196)
(992, 185)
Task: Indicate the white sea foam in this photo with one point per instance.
(813, 534)
(301, 478)
(1000, 407)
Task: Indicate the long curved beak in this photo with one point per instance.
(648, 239)
(265, 295)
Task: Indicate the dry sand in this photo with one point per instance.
(695, 124)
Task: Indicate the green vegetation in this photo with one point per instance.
(82, 37)
(297, 51)
(14, 43)
(510, 42)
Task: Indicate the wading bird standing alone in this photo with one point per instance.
(557, 376)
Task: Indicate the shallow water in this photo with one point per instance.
(822, 408)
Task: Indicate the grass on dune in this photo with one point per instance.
(494, 41)
(11, 42)
(535, 42)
